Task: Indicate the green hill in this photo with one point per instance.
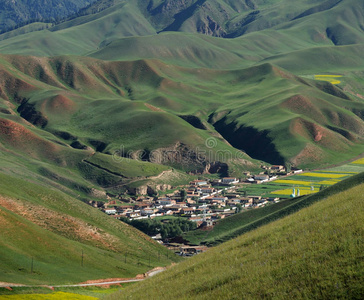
(67, 98)
(126, 96)
(40, 223)
(314, 253)
(263, 27)
(13, 14)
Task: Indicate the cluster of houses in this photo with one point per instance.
(202, 201)
(270, 173)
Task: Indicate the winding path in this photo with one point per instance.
(96, 283)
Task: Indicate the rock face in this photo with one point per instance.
(216, 167)
(98, 194)
(149, 189)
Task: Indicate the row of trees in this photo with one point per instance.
(167, 228)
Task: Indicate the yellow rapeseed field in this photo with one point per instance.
(328, 182)
(330, 78)
(359, 161)
(53, 296)
(324, 175)
(294, 182)
(303, 191)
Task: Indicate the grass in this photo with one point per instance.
(235, 225)
(90, 292)
(242, 222)
(54, 230)
(76, 94)
(314, 253)
(51, 296)
(267, 111)
(126, 167)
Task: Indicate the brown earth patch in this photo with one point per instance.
(98, 281)
(302, 105)
(153, 108)
(62, 224)
(283, 74)
(161, 101)
(346, 121)
(21, 138)
(320, 135)
(309, 154)
(61, 104)
(11, 86)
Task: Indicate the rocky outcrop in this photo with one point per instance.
(149, 189)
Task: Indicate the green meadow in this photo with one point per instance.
(48, 237)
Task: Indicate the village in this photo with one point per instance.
(202, 201)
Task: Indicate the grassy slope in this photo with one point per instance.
(13, 14)
(144, 99)
(229, 228)
(315, 253)
(326, 132)
(276, 30)
(40, 222)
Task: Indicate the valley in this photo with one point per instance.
(113, 109)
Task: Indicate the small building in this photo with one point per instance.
(206, 190)
(110, 211)
(192, 250)
(166, 201)
(278, 168)
(148, 211)
(133, 214)
(255, 199)
(198, 182)
(261, 177)
(188, 210)
(230, 180)
(142, 206)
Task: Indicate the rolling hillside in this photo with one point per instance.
(69, 97)
(15, 13)
(314, 253)
(134, 96)
(286, 26)
(68, 241)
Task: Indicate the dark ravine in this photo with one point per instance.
(255, 143)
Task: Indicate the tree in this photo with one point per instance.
(288, 167)
(183, 195)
